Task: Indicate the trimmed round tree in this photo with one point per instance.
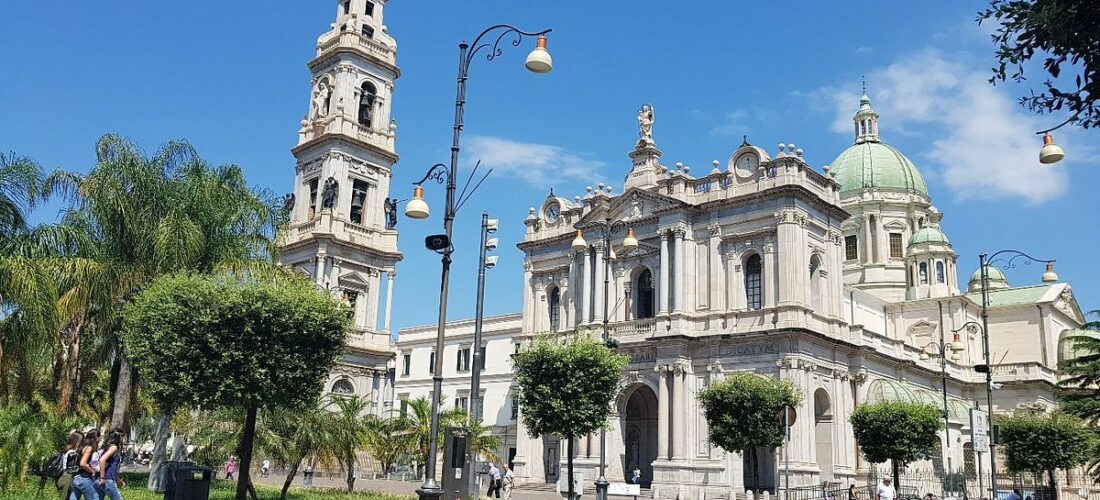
(742, 412)
(896, 431)
(566, 388)
(218, 342)
(1044, 443)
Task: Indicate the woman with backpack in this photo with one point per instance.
(67, 465)
(84, 478)
(109, 464)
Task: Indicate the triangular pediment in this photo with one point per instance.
(353, 278)
(634, 204)
(1066, 302)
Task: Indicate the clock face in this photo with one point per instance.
(747, 164)
(553, 212)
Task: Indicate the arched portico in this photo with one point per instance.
(639, 432)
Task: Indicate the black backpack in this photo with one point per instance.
(55, 466)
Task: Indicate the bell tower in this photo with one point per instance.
(342, 230)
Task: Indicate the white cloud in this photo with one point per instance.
(737, 122)
(540, 165)
(984, 145)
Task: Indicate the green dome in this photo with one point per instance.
(889, 390)
(872, 164)
(997, 279)
(928, 234)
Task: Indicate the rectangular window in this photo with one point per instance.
(369, 9)
(404, 408)
(313, 197)
(483, 358)
(895, 246)
(368, 32)
(462, 403)
(406, 364)
(515, 407)
(851, 247)
(358, 201)
(431, 363)
(463, 364)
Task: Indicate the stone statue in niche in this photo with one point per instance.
(390, 207)
(320, 101)
(288, 202)
(328, 194)
(645, 125)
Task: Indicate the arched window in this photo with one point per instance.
(940, 275)
(924, 273)
(366, 103)
(643, 307)
(553, 303)
(754, 282)
(342, 386)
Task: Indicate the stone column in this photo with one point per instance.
(678, 272)
(770, 276)
(714, 271)
(586, 277)
(528, 298)
(735, 292)
(374, 286)
(662, 412)
(597, 286)
(865, 254)
(390, 275)
(663, 276)
(789, 270)
(319, 272)
(679, 414)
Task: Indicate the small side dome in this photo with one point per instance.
(928, 234)
(997, 279)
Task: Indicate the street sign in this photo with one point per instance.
(624, 489)
(789, 413)
(979, 430)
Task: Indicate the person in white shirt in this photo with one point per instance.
(885, 490)
(1015, 495)
(494, 481)
(509, 481)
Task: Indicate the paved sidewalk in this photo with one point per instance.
(387, 486)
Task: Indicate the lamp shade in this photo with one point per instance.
(1051, 152)
(417, 208)
(1050, 276)
(630, 242)
(924, 356)
(579, 245)
(539, 61)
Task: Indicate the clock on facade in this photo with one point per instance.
(746, 164)
(552, 212)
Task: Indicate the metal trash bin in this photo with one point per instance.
(187, 481)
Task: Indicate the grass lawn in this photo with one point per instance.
(219, 490)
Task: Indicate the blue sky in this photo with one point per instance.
(231, 78)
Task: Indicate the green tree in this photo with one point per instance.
(388, 440)
(566, 388)
(482, 441)
(1081, 387)
(217, 342)
(1066, 33)
(1044, 443)
(350, 432)
(418, 425)
(896, 431)
(742, 414)
(27, 436)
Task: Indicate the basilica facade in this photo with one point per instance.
(838, 278)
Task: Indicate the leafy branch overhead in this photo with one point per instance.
(1066, 33)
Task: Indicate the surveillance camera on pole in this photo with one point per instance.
(488, 226)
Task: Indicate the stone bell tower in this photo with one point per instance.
(342, 230)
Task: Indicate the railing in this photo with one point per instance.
(637, 327)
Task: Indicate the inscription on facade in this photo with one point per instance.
(750, 349)
(643, 357)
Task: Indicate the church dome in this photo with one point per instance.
(997, 279)
(928, 234)
(872, 164)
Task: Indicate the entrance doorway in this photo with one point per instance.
(551, 458)
(640, 433)
(823, 428)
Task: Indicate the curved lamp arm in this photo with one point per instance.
(496, 50)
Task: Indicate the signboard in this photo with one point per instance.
(624, 489)
(979, 430)
(789, 414)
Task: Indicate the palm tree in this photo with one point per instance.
(351, 430)
(291, 435)
(419, 425)
(481, 440)
(387, 440)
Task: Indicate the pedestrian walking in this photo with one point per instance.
(1015, 495)
(494, 481)
(70, 457)
(84, 479)
(852, 491)
(509, 481)
(825, 493)
(885, 490)
(265, 468)
(636, 476)
(110, 461)
(230, 468)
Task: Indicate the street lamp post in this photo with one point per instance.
(488, 226)
(538, 61)
(945, 350)
(605, 227)
(1048, 277)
